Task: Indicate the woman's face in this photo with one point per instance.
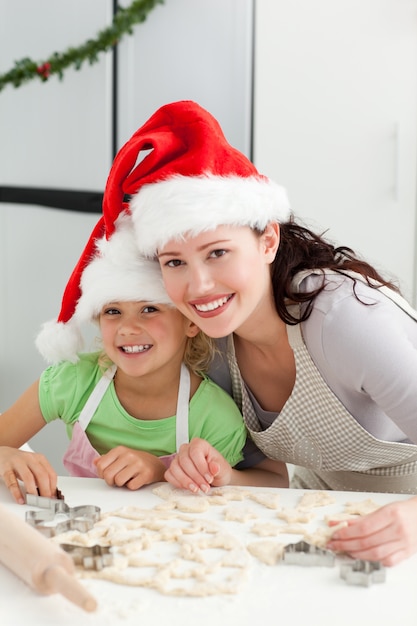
(220, 279)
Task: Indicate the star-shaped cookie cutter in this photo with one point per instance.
(360, 572)
(304, 553)
(79, 518)
(89, 557)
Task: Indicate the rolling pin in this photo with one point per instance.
(43, 565)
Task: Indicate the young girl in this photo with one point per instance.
(129, 408)
(319, 350)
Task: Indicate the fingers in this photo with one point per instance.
(10, 480)
(104, 466)
(39, 476)
(388, 554)
(124, 467)
(381, 547)
(113, 467)
(190, 468)
(184, 475)
(31, 469)
(388, 535)
(195, 467)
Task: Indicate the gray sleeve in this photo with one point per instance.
(219, 370)
(251, 455)
(368, 357)
(219, 373)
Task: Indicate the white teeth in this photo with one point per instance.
(211, 306)
(140, 348)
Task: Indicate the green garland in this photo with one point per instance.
(124, 19)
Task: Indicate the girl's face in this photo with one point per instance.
(220, 279)
(142, 338)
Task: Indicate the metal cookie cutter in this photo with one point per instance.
(79, 518)
(362, 572)
(89, 557)
(303, 553)
(43, 502)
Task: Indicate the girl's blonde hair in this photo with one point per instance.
(199, 352)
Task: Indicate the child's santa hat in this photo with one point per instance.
(202, 181)
(110, 269)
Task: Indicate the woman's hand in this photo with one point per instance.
(198, 465)
(388, 535)
(124, 467)
(32, 469)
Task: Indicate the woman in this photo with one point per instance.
(318, 349)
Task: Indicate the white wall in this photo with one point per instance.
(58, 134)
(336, 120)
(191, 49)
(55, 134)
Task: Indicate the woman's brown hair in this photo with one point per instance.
(301, 249)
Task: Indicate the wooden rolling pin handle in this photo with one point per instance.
(58, 580)
(40, 563)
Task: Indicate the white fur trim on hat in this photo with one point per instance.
(116, 273)
(119, 273)
(58, 342)
(190, 205)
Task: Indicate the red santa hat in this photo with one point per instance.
(110, 269)
(190, 180)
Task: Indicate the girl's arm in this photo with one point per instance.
(17, 425)
(199, 466)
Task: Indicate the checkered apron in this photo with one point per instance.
(316, 433)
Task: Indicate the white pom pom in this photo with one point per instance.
(59, 342)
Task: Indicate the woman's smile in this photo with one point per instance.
(208, 307)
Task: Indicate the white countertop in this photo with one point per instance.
(299, 595)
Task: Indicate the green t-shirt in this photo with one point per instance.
(65, 388)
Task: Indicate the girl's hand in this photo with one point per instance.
(388, 535)
(124, 467)
(198, 465)
(32, 469)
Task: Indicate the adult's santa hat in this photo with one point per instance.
(191, 180)
(110, 269)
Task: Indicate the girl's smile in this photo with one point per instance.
(136, 349)
(142, 337)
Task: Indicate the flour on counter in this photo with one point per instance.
(200, 545)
